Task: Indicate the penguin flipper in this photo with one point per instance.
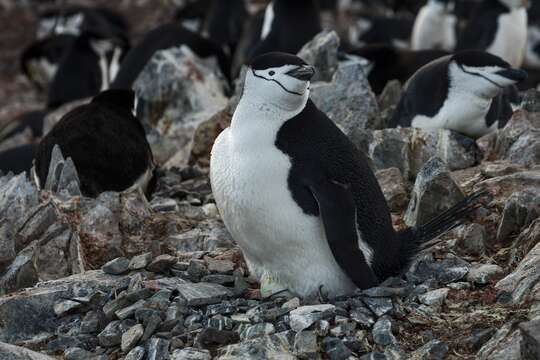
(338, 212)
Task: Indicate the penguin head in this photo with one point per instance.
(279, 79)
(483, 74)
(443, 6)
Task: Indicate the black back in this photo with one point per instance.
(480, 31)
(164, 37)
(295, 23)
(425, 93)
(391, 63)
(384, 30)
(106, 142)
(225, 22)
(18, 159)
(317, 148)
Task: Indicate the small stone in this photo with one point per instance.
(211, 337)
(446, 271)
(191, 354)
(203, 293)
(76, 353)
(197, 269)
(258, 330)
(219, 279)
(210, 210)
(433, 350)
(362, 317)
(382, 332)
(484, 274)
(305, 316)
(379, 306)
(472, 238)
(161, 263)
(157, 349)
(111, 335)
(151, 325)
(116, 266)
(335, 349)
(66, 307)
(291, 304)
(140, 261)
(93, 322)
(130, 310)
(137, 353)
(131, 337)
(220, 266)
(305, 343)
(434, 297)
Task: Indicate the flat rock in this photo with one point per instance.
(433, 350)
(203, 293)
(303, 317)
(267, 347)
(140, 261)
(131, 337)
(161, 263)
(12, 352)
(116, 266)
(191, 354)
(434, 297)
(484, 274)
(382, 332)
(394, 188)
(137, 353)
(157, 349)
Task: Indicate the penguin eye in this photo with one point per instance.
(271, 73)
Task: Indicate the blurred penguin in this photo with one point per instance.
(435, 26)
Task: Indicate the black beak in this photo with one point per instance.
(304, 72)
(513, 74)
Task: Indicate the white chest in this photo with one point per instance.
(511, 37)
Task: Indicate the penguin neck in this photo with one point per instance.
(257, 121)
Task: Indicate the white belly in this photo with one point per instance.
(278, 240)
(511, 38)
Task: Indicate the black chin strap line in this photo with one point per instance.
(277, 82)
(482, 76)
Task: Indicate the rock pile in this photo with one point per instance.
(126, 277)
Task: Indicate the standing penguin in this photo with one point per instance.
(459, 92)
(435, 27)
(106, 143)
(297, 196)
(498, 27)
(287, 26)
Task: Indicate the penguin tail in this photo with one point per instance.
(449, 219)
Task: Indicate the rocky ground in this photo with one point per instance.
(126, 277)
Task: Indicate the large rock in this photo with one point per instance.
(322, 53)
(31, 312)
(520, 210)
(179, 91)
(267, 347)
(506, 185)
(507, 343)
(12, 352)
(518, 285)
(62, 177)
(394, 187)
(348, 99)
(434, 192)
(17, 197)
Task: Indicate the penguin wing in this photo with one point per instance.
(338, 212)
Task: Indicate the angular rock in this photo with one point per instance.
(111, 335)
(208, 236)
(335, 349)
(305, 343)
(17, 197)
(445, 271)
(131, 337)
(348, 99)
(129, 310)
(157, 349)
(21, 272)
(382, 332)
(484, 274)
(258, 330)
(379, 306)
(519, 140)
(531, 335)
(305, 316)
(456, 150)
(137, 353)
(322, 53)
(433, 350)
(116, 266)
(211, 337)
(520, 210)
(517, 286)
(12, 352)
(220, 266)
(66, 307)
(7, 245)
(191, 354)
(507, 343)
(434, 297)
(434, 192)
(161, 263)
(93, 322)
(268, 347)
(140, 261)
(390, 148)
(62, 177)
(203, 293)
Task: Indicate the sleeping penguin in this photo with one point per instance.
(498, 27)
(459, 92)
(299, 199)
(106, 142)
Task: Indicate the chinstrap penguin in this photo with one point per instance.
(18, 159)
(106, 142)
(435, 27)
(498, 27)
(458, 92)
(297, 196)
